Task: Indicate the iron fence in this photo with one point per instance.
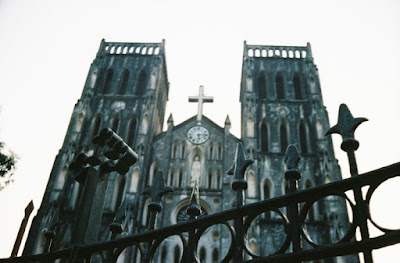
(291, 210)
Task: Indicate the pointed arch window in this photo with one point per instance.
(131, 131)
(108, 81)
(250, 127)
(120, 191)
(180, 178)
(209, 177)
(124, 82)
(174, 150)
(303, 138)
(283, 137)
(219, 151)
(171, 177)
(202, 254)
(134, 180)
(163, 256)
(115, 124)
(251, 179)
(210, 151)
(141, 83)
(96, 125)
(262, 87)
(215, 256)
(79, 122)
(264, 137)
(280, 87)
(297, 87)
(218, 180)
(177, 254)
(183, 150)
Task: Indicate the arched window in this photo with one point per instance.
(203, 255)
(177, 254)
(215, 256)
(251, 179)
(153, 171)
(303, 138)
(141, 83)
(96, 125)
(250, 127)
(180, 178)
(183, 150)
(320, 130)
(163, 256)
(171, 177)
(134, 180)
(131, 132)
(209, 177)
(120, 191)
(62, 176)
(280, 87)
(145, 124)
(284, 138)
(297, 87)
(124, 82)
(219, 151)
(264, 137)
(108, 81)
(218, 179)
(311, 212)
(174, 150)
(79, 122)
(262, 87)
(145, 215)
(210, 151)
(114, 124)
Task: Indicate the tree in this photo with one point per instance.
(7, 166)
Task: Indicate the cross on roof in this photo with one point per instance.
(200, 99)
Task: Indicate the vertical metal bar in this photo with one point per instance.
(17, 244)
(346, 127)
(292, 175)
(239, 185)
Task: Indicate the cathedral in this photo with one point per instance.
(127, 90)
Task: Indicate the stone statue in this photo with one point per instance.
(196, 168)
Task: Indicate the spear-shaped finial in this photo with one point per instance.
(292, 159)
(346, 127)
(156, 191)
(116, 226)
(239, 168)
(194, 209)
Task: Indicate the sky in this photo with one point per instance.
(46, 49)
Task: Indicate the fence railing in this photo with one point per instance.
(290, 211)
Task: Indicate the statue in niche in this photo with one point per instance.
(195, 173)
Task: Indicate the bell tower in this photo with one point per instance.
(281, 104)
(126, 89)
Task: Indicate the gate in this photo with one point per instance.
(291, 208)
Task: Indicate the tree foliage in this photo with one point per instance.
(7, 166)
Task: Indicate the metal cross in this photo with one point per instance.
(200, 99)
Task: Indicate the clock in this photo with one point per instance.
(198, 134)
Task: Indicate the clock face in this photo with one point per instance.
(198, 134)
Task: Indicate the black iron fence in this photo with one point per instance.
(291, 211)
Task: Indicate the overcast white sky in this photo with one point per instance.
(46, 49)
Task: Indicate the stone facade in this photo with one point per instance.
(127, 90)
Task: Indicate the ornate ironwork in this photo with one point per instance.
(297, 204)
